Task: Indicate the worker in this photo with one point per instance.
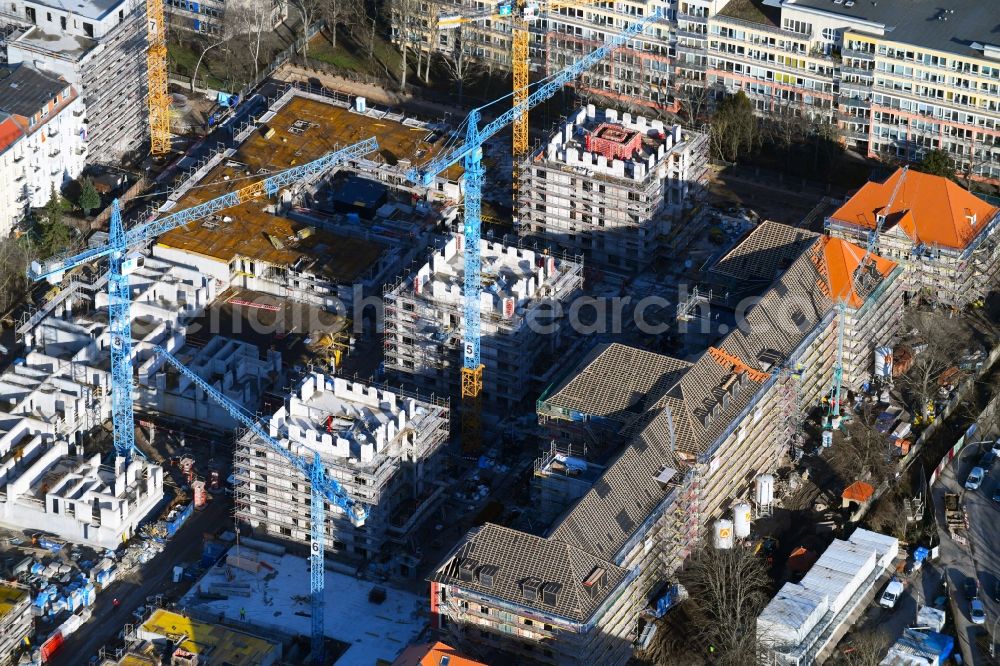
(115, 603)
(243, 614)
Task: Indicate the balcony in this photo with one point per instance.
(692, 18)
(863, 55)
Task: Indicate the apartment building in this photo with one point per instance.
(43, 141)
(218, 17)
(613, 188)
(98, 46)
(695, 436)
(943, 235)
(895, 83)
(382, 446)
(522, 290)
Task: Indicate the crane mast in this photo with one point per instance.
(120, 265)
(470, 153)
(322, 489)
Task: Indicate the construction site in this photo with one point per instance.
(390, 425)
(614, 189)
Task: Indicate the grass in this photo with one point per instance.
(347, 56)
(182, 59)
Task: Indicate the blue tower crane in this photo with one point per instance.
(322, 488)
(121, 265)
(470, 153)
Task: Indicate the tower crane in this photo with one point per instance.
(520, 14)
(856, 277)
(322, 489)
(156, 76)
(121, 265)
(471, 154)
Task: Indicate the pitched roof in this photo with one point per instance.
(519, 557)
(766, 252)
(842, 260)
(614, 379)
(930, 210)
(433, 654)
(859, 491)
(10, 132)
(24, 90)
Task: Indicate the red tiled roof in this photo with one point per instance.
(842, 260)
(929, 209)
(859, 491)
(429, 654)
(9, 133)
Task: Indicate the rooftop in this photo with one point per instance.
(930, 210)
(765, 253)
(434, 654)
(754, 11)
(518, 567)
(923, 22)
(24, 90)
(60, 44)
(213, 642)
(92, 9)
(10, 597)
(616, 381)
(842, 262)
(10, 132)
(304, 130)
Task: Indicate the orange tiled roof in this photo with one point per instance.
(929, 209)
(842, 260)
(859, 491)
(10, 132)
(429, 654)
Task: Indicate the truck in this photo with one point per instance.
(893, 591)
(954, 515)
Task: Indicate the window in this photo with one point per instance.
(62, 22)
(88, 29)
(48, 16)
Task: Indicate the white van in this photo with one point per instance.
(893, 591)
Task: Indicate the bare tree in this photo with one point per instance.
(409, 27)
(15, 253)
(728, 589)
(931, 359)
(460, 64)
(308, 11)
(865, 454)
(220, 40)
(694, 96)
(335, 13)
(253, 21)
(866, 649)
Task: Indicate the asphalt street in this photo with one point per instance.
(979, 559)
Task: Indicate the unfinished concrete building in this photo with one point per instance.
(318, 259)
(521, 291)
(16, 621)
(99, 47)
(587, 591)
(944, 236)
(382, 446)
(613, 187)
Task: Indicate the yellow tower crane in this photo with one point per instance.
(156, 65)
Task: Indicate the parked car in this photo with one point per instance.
(996, 447)
(986, 462)
(971, 587)
(893, 591)
(975, 478)
(996, 494)
(977, 613)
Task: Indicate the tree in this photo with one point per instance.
(409, 28)
(15, 253)
(934, 357)
(334, 13)
(937, 162)
(728, 589)
(55, 208)
(865, 453)
(735, 129)
(866, 649)
(252, 20)
(461, 65)
(52, 234)
(89, 198)
(308, 10)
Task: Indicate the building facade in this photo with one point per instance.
(697, 436)
(218, 17)
(943, 235)
(893, 84)
(613, 188)
(43, 141)
(383, 447)
(17, 623)
(100, 49)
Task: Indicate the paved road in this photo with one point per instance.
(152, 578)
(979, 559)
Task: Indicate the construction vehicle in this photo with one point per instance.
(123, 260)
(470, 153)
(954, 514)
(323, 489)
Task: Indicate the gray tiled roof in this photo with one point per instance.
(669, 434)
(519, 556)
(24, 90)
(617, 381)
(766, 252)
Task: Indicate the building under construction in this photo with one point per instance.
(382, 446)
(614, 188)
(288, 248)
(522, 289)
(945, 236)
(100, 48)
(16, 620)
(686, 441)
